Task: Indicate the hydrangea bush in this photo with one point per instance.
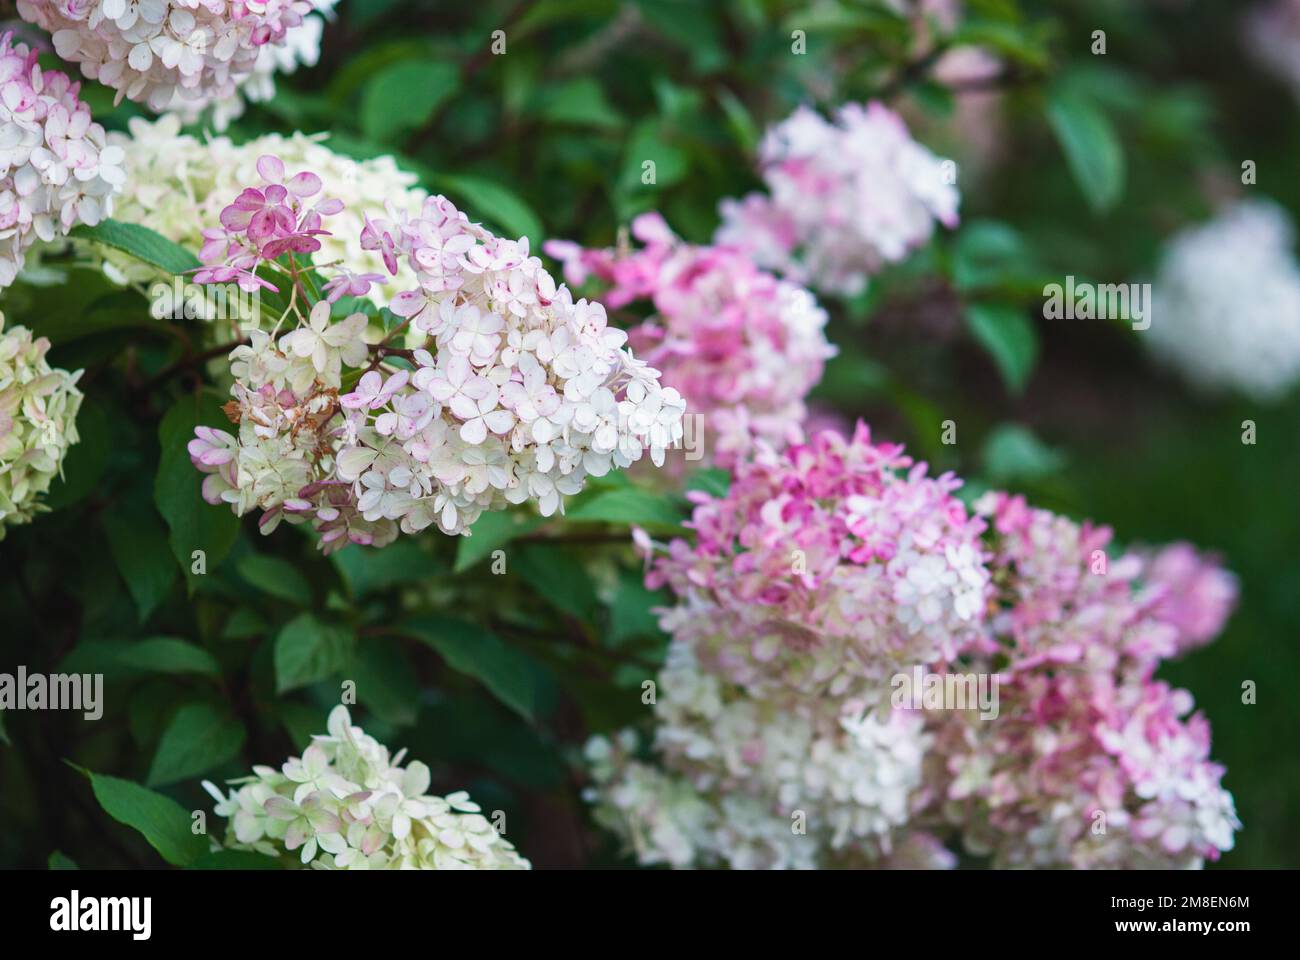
(829, 571)
(649, 588)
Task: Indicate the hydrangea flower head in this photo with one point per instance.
(345, 804)
(742, 347)
(827, 566)
(774, 745)
(56, 170)
(518, 394)
(1226, 303)
(163, 52)
(844, 197)
(38, 422)
(1092, 762)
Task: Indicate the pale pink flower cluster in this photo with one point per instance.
(828, 571)
(55, 169)
(1092, 762)
(826, 568)
(844, 198)
(519, 393)
(742, 347)
(166, 52)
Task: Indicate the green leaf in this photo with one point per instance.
(199, 737)
(500, 206)
(1013, 452)
(1008, 336)
(743, 128)
(307, 650)
(275, 576)
(628, 505)
(491, 530)
(630, 613)
(1091, 147)
(386, 682)
(404, 96)
(648, 142)
(61, 861)
(710, 480)
(169, 655)
(404, 561)
(138, 541)
(578, 102)
(142, 243)
(162, 821)
(482, 655)
(558, 577)
(194, 524)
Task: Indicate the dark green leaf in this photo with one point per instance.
(142, 243)
(195, 524)
(1009, 338)
(482, 655)
(404, 95)
(169, 655)
(493, 529)
(275, 576)
(307, 650)
(138, 541)
(162, 821)
(1091, 147)
(199, 737)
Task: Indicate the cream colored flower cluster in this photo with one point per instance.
(38, 414)
(178, 183)
(345, 804)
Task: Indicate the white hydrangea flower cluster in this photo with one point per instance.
(164, 51)
(345, 804)
(38, 422)
(528, 394)
(787, 782)
(1226, 303)
(300, 47)
(844, 198)
(56, 170)
(176, 183)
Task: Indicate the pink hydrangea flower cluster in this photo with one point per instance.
(55, 167)
(166, 52)
(517, 394)
(844, 198)
(829, 571)
(826, 567)
(742, 347)
(1093, 763)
